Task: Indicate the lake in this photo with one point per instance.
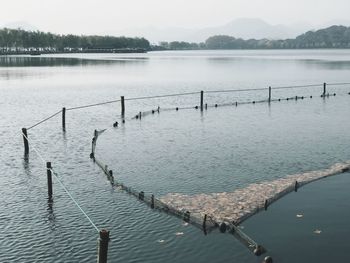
(187, 151)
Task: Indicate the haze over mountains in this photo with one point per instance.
(245, 28)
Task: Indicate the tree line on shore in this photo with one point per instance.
(17, 39)
(332, 37)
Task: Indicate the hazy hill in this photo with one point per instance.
(244, 28)
(331, 37)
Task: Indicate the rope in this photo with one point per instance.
(72, 198)
(36, 124)
(298, 86)
(233, 90)
(62, 185)
(163, 96)
(92, 105)
(338, 84)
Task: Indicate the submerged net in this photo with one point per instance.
(200, 219)
(237, 206)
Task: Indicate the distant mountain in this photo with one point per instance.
(20, 25)
(331, 37)
(245, 28)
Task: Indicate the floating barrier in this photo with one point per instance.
(237, 206)
(203, 221)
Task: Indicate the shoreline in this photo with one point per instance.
(89, 51)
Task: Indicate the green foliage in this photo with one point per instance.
(18, 38)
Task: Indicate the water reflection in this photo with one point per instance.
(28, 61)
(269, 61)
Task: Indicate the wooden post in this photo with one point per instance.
(296, 185)
(64, 118)
(269, 94)
(324, 89)
(205, 222)
(202, 97)
(123, 106)
(152, 201)
(103, 246)
(49, 180)
(187, 216)
(25, 140)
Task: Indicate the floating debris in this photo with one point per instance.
(161, 241)
(299, 216)
(185, 224)
(317, 231)
(179, 233)
(239, 205)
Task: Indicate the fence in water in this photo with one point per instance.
(196, 214)
(103, 239)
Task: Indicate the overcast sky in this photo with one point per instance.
(101, 16)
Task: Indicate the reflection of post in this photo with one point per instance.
(64, 119)
(103, 246)
(25, 140)
(202, 95)
(49, 180)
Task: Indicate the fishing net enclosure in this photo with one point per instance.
(217, 167)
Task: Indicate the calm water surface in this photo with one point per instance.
(221, 149)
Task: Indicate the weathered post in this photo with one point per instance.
(324, 89)
(64, 118)
(123, 106)
(49, 180)
(204, 225)
(103, 246)
(266, 204)
(202, 97)
(296, 186)
(152, 201)
(269, 94)
(25, 140)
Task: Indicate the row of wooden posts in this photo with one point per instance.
(122, 102)
(103, 240)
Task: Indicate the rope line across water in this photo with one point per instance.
(92, 105)
(63, 186)
(46, 119)
(186, 94)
